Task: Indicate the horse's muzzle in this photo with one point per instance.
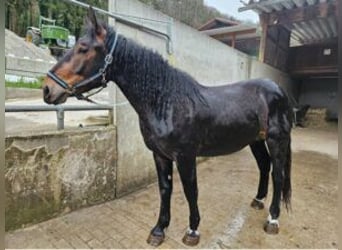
(53, 96)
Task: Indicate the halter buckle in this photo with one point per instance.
(104, 81)
(108, 59)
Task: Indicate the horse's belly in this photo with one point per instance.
(221, 144)
(215, 150)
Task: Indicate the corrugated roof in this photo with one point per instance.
(313, 30)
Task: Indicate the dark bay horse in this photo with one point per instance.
(181, 119)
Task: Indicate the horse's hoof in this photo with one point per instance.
(191, 238)
(257, 204)
(271, 228)
(155, 240)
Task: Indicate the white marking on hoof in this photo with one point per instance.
(190, 231)
(169, 177)
(262, 200)
(272, 221)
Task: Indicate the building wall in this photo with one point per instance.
(206, 59)
(320, 93)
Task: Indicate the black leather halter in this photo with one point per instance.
(72, 90)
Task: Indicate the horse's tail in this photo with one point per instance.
(287, 177)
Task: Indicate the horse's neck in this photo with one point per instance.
(132, 95)
(150, 84)
(136, 76)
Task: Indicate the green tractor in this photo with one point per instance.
(56, 38)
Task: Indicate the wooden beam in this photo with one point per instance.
(327, 70)
(264, 18)
(232, 34)
(233, 41)
(306, 13)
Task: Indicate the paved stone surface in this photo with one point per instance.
(226, 187)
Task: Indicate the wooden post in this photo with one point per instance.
(264, 25)
(233, 40)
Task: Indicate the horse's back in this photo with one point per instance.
(272, 93)
(243, 94)
(265, 85)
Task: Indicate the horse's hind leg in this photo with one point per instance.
(278, 143)
(164, 171)
(263, 160)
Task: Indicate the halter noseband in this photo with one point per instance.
(102, 73)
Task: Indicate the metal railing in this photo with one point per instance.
(124, 19)
(128, 20)
(60, 109)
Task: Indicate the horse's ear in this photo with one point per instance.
(92, 21)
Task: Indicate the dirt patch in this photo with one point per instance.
(311, 222)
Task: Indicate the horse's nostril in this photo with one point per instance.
(46, 90)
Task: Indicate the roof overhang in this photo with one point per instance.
(241, 31)
(309, 21)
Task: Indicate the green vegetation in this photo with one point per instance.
(22, 84)
(20, 14)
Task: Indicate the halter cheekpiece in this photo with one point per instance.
(102, 73)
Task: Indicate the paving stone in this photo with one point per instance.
(126, 222)
(62, 243)
(84, 235)
(112, 244)
(94, 243)
(77, 243)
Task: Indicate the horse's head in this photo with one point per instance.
(84, 67)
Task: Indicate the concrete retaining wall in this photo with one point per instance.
(207, 60)
(25, 59)
(48, 174)
(27, 67)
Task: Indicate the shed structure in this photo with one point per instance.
(300, 37)
(241, 36)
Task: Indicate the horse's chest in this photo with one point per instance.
(158, 137)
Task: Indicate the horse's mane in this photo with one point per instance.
(157, 83)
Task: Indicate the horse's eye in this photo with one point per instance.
(83, 50)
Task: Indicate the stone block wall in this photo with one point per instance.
(49, 174)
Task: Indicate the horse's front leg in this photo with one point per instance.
(187, 169)
(164, 171)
